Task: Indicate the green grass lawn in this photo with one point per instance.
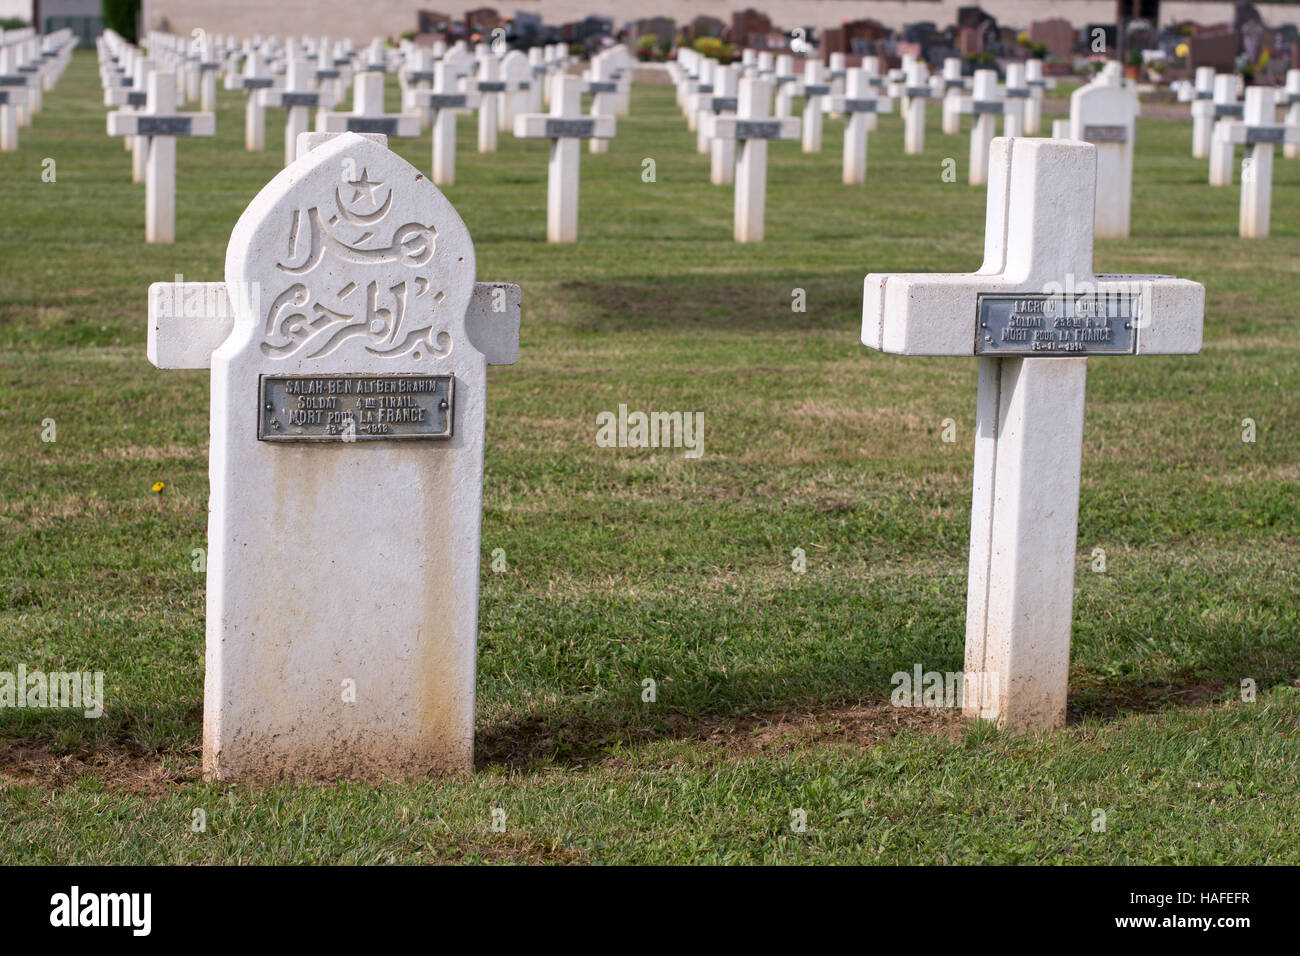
(626, 564)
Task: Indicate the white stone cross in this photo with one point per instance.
(298, 98)
(368, 114)
(12, 98)
(1202, 108)
(1038, 85)
(256, 76)
(1105, 113)
(1225, 108)
(1017, 94)
(1259, 133)
(445, 100)
(861, 102)
(752, 127)
(915, 93)
(700, 85)
(348, 348)
(489, 86)
(1291, 101)
(564, 126)
(158, 125)
(24, 89)
(135, 96)
(604, 92)
(954, 88)
(725, 98)
(985, 104)
(513, 100)
(816, 88)
(1033, 313)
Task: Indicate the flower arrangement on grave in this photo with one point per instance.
(716, 49)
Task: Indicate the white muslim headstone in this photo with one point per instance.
(1105, 113)
(564, 126)
(158, 126)
(1032, 314)
(348, 346)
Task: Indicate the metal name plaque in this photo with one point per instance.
(137, 98)
(1012, 93)
(355, 407)
(721, 103)
(916, 92)
(758, 129)
(162, 126)
(257, 82)
(987, 106)
(372, 124)
(288, 100)
(570, 128)
(1205, 94)
(1045, 325)
(816, 89)
(1235, 110)
(1265, 134)
(4, 97)
(1105, 134)
(12, 80)
(602, 86)
(954, 84)
(419, 76)
(704, 88)
(875, 81)
(491, 86)
(1037, 84)
(327, 74)
(445, 101)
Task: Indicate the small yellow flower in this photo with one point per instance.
(158, 486)
(1182, 50)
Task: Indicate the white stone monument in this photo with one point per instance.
(861, 102)
(298, 98)
(815, 89)
(368, 114)
(1226, 108)
(1038, 86)
(985, 104)
(1033, 314)
(752, 127)
(1017, 94)
(1105, 113)
(158, 126)
(954, 88)
(445, 102)
(564, 126)
(1259, 133)
(254, 78)
(348, 347)
(1202, 108)
(915, 95)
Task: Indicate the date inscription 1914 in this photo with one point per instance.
(354, 407)
(1100, 323)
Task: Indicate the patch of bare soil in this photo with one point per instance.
(121, 767)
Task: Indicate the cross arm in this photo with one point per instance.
(935, 314)
(849, 104)
(1247, 133)
(770, 127)
(547, 126)
(441, 100)
(401, 125)
(133, 123)
(188, 321)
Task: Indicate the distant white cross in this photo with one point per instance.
(564, 126)
(299, 97)
(986, 105)
(752, 127)
(445, 101)
(159, 124)
(1259, 133)
(861, 103)
(368, 114)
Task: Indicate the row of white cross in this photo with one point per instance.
(436, 85)
(30, 66)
